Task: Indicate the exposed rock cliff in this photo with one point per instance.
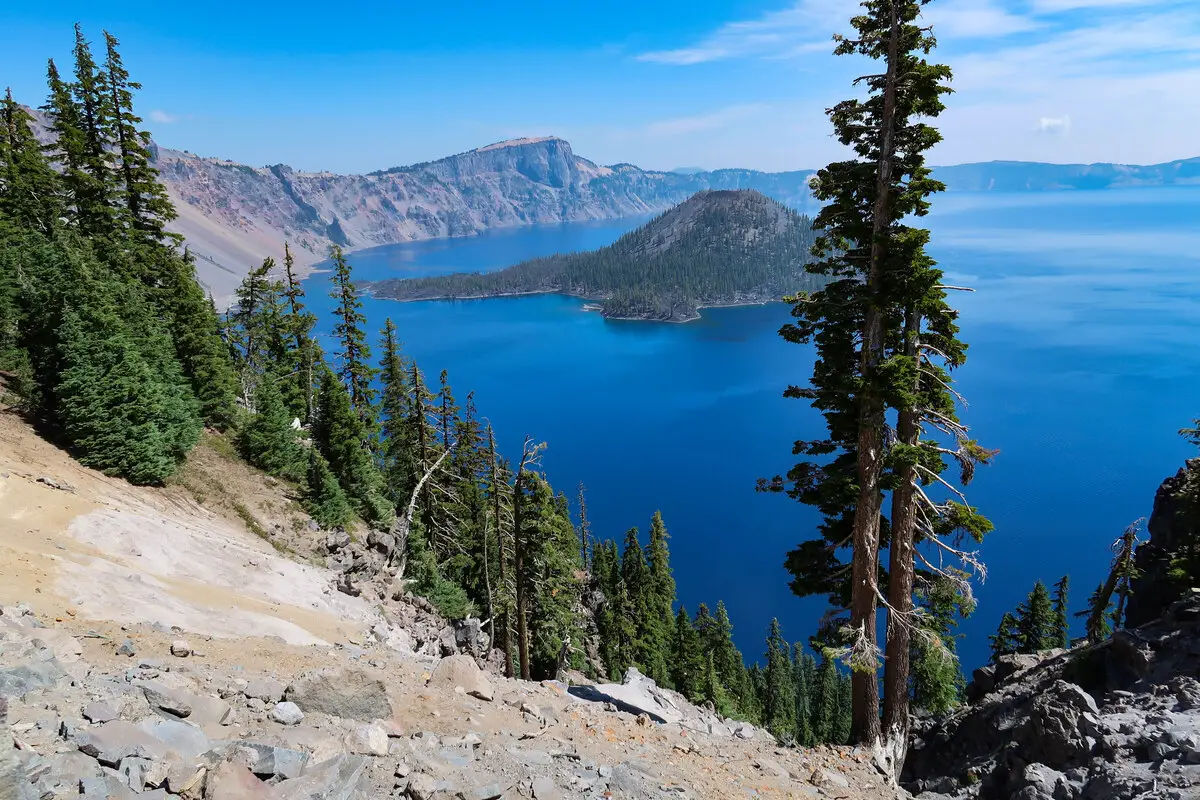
(1114, 721)
(234, 215)
(1174, 535)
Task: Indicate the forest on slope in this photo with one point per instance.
(716, 248)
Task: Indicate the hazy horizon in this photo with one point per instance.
(714, 85)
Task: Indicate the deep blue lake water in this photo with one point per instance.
(1083, 364)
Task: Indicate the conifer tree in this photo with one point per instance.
(1062, 623)
(1007, 638)
(937, 679)
(396, 451)
(804, 669)
(585, 529)
(354, 355)
(1035, 621)
(94, 115)
(29, 187)
(868, 323)
(1098, 615)
(731, 667)
(843, 719)
(447, 409)
(339, 435)
(551, 559)
(324, 499)
(67, 147)
(825, 701)
(250, 329)
(649, 653)
(660, 627)
(711, 690)
(687, 663)
(145, 199)
(779, 697)
(299, 388)
(268, 441)
(195, 329)
(118, 416)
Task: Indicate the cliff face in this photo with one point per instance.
(234, 215)
(1174, 533)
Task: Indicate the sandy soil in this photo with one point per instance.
(104, 550)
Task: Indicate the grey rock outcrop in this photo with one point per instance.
(1174, 523)
(1115, 720)
(349, 693)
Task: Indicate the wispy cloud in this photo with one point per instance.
(162, 117)
(798, 29)
(702, 122)
(977, 19)
(1061, 80)
(806, 26)
(1053, 125)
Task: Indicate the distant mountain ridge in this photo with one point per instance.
(234, 215)
(719, 247)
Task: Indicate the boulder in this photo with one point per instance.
(164, 698)
(180, 648)
(117, 740)
(231, 781)
(287, 714)
(461, 670)
(268, 690)
(39, 670)
(341, 692)
(1054, 732)
(344, 777)
(99, 712)
(369, 739)
(268, 761)
(184, 739)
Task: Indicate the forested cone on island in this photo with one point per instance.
(717, 248)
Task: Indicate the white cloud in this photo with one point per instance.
(702, 122)
(162, 117)
(1053, 125)
(976, 19)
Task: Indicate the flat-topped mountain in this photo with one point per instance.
(717, 248)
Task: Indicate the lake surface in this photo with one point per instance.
(1083, 365)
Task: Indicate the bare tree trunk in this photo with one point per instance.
(404, 523)
(505, 640)
(900, 574)
(865, 563)
(1120, 568)
(584, 527)
(519, 562)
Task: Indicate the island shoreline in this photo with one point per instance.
(585, 300)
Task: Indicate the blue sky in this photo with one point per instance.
(659, 83)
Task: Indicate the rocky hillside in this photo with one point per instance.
(201, 641)
(716, 248)
(1113, 721)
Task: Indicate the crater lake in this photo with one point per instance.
(1081, 369)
